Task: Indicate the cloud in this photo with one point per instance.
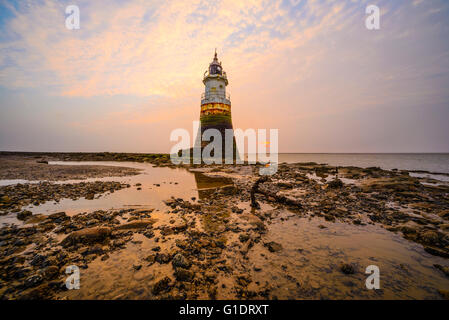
(144, 48)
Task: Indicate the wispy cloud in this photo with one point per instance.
(137, 47)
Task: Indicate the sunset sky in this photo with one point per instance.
(133, 72)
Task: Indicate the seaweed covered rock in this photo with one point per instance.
(23, 215)
(347, 268)
(87, 236)
(335, 184)
(179, 261)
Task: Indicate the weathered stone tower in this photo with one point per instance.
(215, 103)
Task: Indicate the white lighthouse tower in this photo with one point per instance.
(215, 81)
(215, 104)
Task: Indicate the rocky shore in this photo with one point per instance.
(13, 198)
(222, 245)
(34, 165)
(29, 166)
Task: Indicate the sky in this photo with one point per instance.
(133, 73)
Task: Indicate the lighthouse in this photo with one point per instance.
(216, 106)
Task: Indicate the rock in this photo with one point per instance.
(149, 234)
(161, 286)
(51, 272)
(105, 257)
(179, 261)
(429, 237)
(243, 280)
(96, 249)
(52, 261)
(168, 230)
(436, 251)
(244, 237)
(246, 247)
(181, 243)
(410, 233)
(150, 259)
(23, 215)
(257, 223)
(210, 276)
(162, 258)
(445, 270)
(182, 274)
(347, 268)
(33, 281)
(5, 199)
(137, 267)
(58, 216)
(273, 246)
(90, 196)
(38, 260)
(444, 214)
(444, 294)
(136, 224)
(335, 184)
(220, 243)
(39, 293)
(87, 236)
(118, 243)
(212, 292)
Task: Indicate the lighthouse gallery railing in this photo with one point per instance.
(212, 95)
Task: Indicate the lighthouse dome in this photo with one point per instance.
(215, 66)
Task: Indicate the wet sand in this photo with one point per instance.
(190, 233)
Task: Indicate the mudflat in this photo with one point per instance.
(36, 167)
(206, 232)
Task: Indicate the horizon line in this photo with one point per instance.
(16, 151)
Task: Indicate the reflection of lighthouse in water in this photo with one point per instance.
(216, 105)
(206, 186)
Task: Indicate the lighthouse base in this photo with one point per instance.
(223, 124)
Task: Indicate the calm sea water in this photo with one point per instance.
(432, 162)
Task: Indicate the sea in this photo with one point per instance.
(431, 162)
